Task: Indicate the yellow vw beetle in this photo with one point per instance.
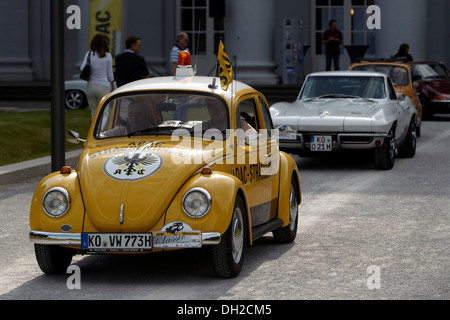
(170, 163)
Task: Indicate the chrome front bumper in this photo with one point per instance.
(301, 144)
(74, 239)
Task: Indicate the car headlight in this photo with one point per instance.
(56, 202)
(196, 202)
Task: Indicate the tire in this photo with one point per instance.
(385, 155)
(75, 99)
(228, 255)
(408, 149)
(287, 234)
(53, 259)
(427, 112)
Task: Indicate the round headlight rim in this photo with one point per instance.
(208, 197)
(64, 192)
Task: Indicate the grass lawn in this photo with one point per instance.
(27, 135)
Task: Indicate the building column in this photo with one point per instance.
(15, 62)
(402, 21)
(250, 36)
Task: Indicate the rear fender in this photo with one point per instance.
(288, 173)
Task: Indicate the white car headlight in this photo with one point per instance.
(56, 202)
(196, 202)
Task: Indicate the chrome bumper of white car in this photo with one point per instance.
(300, 143)
(74, 239)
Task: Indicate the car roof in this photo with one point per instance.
(349, 73)
(195, 83)
(386, 63)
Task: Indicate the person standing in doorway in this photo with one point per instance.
(101, 80)
(182, 42)
(130, 66)
(332, 38)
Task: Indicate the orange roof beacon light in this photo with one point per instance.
(184, 67)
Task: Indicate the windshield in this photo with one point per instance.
(426, 71)
(161, 113)
(343, 87)
(399, 75)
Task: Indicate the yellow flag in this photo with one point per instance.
(106, 18)
(226, 71)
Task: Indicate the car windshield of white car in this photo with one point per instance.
(344, 87)
(161, 113)
(398, 74)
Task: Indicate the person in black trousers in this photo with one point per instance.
(130, 66)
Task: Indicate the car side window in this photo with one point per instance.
(247, 117)
(392, 94)
(267, 119)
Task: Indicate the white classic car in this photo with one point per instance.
(343, 110)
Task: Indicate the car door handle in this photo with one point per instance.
(268, 155)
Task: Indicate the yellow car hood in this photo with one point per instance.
(128, 186)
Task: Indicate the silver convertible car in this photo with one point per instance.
(343, 110)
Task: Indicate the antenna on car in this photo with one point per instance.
(197, 49)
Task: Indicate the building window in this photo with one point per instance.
(325, 11)
(194, 21)
(360, 35)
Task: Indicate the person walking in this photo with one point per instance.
(130, 66)
(182, 42)
(101, 79)
(332, 38)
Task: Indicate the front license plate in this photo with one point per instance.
(116, 241)
(182, 239)
(321, 143)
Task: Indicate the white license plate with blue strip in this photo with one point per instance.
(116, 241)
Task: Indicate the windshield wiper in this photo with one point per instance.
(150, 130)
(336, 95)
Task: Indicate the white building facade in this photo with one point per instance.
(265, 38)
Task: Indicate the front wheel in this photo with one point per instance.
(228, 255)
(53, 259)
(408, 149)
(385, 155)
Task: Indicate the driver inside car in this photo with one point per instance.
(138, 118)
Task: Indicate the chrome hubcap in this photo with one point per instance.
(293, 209)
(237, 233)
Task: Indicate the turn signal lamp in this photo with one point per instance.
(206, 171)
(184, 68)
(66, 170)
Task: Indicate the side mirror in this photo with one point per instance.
(401, 97)
(75, 139)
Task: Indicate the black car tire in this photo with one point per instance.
(427, 112)
(228, 255)
(385, 155)
(287, 234)
(53, 259)
(75, 99)
(408, 149)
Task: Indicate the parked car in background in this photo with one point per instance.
(170, 163)
(348, 110)
(401, 76)
(75, 94)
(433, 79)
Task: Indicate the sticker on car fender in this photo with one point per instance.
(177, 235)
